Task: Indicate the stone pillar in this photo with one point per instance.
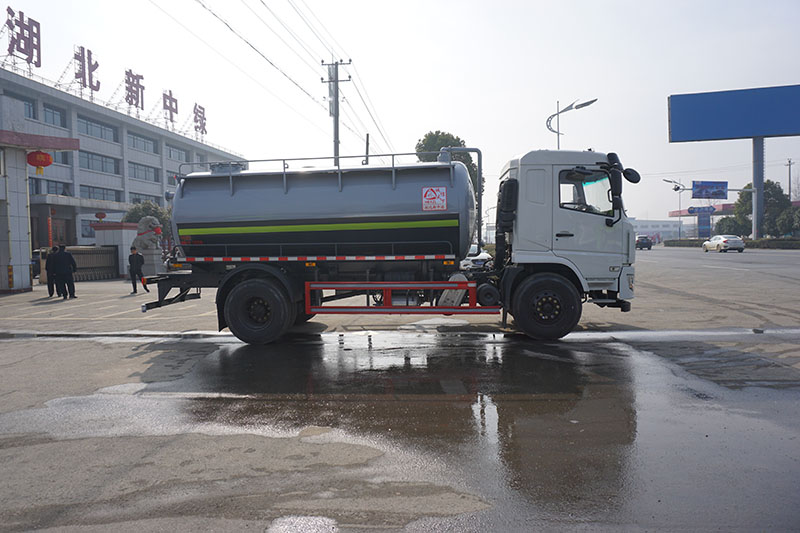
(153, 264)
(15, 248)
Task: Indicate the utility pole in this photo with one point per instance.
(789, 164)
(333, 100)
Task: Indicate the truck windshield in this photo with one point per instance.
(589, 194)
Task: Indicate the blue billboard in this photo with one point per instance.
(710, 189)
(739, 114)
(704, 225)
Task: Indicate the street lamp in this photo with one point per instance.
(679, 187)
(557, 114)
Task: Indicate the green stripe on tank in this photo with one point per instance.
(230, 230)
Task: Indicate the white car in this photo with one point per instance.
(476, 260)
(723, 243)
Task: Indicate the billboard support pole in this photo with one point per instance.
(758, 185)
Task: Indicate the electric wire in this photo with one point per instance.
(240, 69)
(314, 68)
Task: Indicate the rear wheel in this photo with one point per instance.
(705, 249)
(546, 306)
(740, 250)
(258, 311)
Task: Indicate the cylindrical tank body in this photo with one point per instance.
(426, 208)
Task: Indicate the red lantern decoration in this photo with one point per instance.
(40, 160)
(100, 216)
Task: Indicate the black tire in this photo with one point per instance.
(546, 306)
(258, 311)
(740, 250)
(705, 249)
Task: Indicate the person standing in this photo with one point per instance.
(135, 264)
(52, 282)
(64, 265)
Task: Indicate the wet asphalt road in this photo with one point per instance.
(414, 431)
(683, 414)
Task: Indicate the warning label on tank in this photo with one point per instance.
(434, 198)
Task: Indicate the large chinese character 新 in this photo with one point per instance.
(85, 69)
(24, 38)
(170, 105)
(200, 119)
(134, 90)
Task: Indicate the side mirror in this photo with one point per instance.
(631, 175)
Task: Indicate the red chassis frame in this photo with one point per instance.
(472, 307)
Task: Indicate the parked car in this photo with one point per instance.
(723, 243)
(476, 259)
(643, 241)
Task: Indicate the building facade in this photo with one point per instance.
(659, 230)
(121, 160)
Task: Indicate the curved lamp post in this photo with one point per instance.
(558, 112)
(679, 188)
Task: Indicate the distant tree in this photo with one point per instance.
(775, 202)
(788, 222)
(433, 141)
(732, 226)
(148, 208)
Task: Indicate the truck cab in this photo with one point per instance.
(560, 213)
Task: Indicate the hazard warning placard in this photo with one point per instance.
(434, 198)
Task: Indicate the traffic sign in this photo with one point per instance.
(708, 209)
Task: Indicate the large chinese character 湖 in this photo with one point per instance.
(24, 38)
(85, 69)
(134, 90)
(170, 105)
(200, 119)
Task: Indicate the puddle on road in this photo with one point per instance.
(593, 431)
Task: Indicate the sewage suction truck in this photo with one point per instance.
(281, 246)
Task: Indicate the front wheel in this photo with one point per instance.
(740, 250)
(546, 306)
(705, 249)
(257, 311)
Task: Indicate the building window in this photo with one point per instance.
(99, 193)
(98, 162)
(42, 186)
(177, 154)
(86, 229)
(60, 158)
(136, 198)
(143, 172)
(142, 143)
(93, 128)
(173, 177)
(55, 116)
(29, 103)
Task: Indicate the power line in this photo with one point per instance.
(256, 50)
(240, 69)
(300, 41)
(316, 33)
(310, 65)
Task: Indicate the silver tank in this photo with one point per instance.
(425, 208)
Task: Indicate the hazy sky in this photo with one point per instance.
(489, 72)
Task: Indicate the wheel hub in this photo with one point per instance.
(258, 310)
(547, 307)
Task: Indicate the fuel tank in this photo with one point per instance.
(425, 208)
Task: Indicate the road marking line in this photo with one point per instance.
(728, 268)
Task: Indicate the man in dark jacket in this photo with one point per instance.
(52, 283)
(135, 264)
(64, 265)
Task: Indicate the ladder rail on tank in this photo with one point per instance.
(234, 166)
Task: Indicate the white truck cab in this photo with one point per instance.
(567, 221)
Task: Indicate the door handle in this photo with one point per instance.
(564, 234)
